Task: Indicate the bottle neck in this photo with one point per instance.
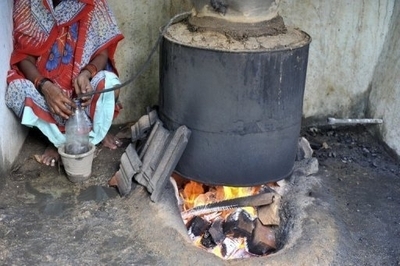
(78, 104)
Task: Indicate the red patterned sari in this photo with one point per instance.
(63, 40)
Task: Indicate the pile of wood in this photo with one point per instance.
(240, 234)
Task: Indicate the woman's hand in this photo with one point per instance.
(82, 82)
(57, 102)
(82, 85)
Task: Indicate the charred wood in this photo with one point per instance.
(269, 214)
(197, 226)
(262, 241)
(238, 224)
(216, 231)
(207, 240)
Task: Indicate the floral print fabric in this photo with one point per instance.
(63, 40)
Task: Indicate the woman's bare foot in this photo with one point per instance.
(112, 142)
(49, 157)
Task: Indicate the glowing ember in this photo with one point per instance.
(190, 193)
(212, 231)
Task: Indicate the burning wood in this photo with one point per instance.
(263, 240)
(224, 220)
(197, 226)
(269, 214)
(239, 224)
(216, 231)
(249, 201)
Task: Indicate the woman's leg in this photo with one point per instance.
(26, 102)
(102, 110)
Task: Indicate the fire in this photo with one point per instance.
(227, 232)
(191, 191)
(237, 192)
(195, 194)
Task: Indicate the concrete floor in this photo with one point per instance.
(346, 214)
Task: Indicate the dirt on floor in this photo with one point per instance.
(361, 183)
(346, 214)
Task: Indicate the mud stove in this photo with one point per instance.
(232, 79)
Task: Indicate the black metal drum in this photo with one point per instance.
(244, 109)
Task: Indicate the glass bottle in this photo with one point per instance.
(77, 130)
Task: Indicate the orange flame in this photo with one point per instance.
(194, 194)
(190, 192)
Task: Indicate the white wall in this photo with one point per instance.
(348, 37)
(12, 134)
(384, 100)
(140, 22)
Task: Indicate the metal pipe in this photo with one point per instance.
(175, 19)
(249, 201)
(355, 121)
(250, 11)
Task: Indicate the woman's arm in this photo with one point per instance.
(28, 68)
(82, 82)
(57, 102)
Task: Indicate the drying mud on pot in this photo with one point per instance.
(181, 33)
